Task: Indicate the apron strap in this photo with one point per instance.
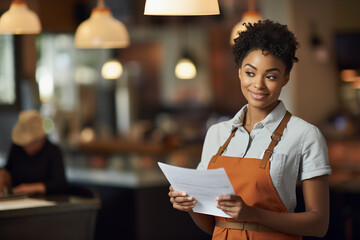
(223, 147)
(275, 138)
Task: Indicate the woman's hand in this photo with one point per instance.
(181, 200)
(5, 181)
(29, 188)
(233, 206)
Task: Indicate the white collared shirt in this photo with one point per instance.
(301, 153)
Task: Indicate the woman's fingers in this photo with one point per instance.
(181, 200)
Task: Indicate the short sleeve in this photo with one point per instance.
(207, 151)
(314, 155)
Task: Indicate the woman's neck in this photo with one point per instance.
(254, 115)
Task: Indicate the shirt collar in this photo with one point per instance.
(271, 122)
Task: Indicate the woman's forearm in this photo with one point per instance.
(203, 221)
(313, 222)
(310, 223)
(5, 177)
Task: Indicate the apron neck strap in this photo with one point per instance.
(224, 146)
(275, 138)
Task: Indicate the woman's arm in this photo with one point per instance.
(203, 221)
(5, 180)
(186, 203)
(30, 188)
(313, 222)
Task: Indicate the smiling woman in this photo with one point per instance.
(265, 151)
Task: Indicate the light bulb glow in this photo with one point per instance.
(185, 69)
(248, 17)
(112, 70)
(348, 75)
(356, 83)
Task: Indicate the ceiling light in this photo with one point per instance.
(19, 19)
(185, 68)
(112, 69)
(348, 75)
(101, 30)
(250, 16)
(181, 7)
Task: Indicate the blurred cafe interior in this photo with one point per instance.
(118, 110)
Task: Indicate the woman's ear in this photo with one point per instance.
(239, 73)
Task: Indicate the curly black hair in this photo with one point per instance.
(267, 36)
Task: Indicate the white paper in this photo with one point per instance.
(203, 185)
(24, 203)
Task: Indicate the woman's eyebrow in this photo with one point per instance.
(248, 64)
(267, 70)
(273, 69)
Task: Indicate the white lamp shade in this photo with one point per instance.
(112, 69)
(19, 19)
(248, 17)
(181, 7)
(101, 30)
(185, 69)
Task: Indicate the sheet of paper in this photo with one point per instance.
(203, 185)
(24, 203)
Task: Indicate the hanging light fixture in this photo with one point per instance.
(251, 16)
(19, 19)
(185, 68)
(101, 30)
(181, 7)
(112, 69)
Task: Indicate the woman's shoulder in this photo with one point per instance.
(304, 129)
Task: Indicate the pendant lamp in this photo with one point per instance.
(19, 19)
(181, 7)
(185, 67)
(251, 16)
(112, 69)
(101, 30)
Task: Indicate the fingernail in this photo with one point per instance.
(183, 194)
(190, 198)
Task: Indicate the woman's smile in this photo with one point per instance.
(258, 96)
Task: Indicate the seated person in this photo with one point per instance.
(35, 165)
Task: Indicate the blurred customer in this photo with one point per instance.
(35, 165)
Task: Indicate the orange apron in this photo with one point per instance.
(251, 180)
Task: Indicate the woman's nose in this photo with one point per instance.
(259, 83)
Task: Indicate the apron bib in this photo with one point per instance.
(251, 180)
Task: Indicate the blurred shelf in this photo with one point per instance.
(117, 178)
(116, 145)
(110, 146)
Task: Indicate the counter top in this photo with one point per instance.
(117, 178)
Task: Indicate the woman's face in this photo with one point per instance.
(262, 77)
(34, 147)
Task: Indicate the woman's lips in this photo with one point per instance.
(258, 96)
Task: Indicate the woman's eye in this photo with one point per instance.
(250, 74)
(271, 77)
